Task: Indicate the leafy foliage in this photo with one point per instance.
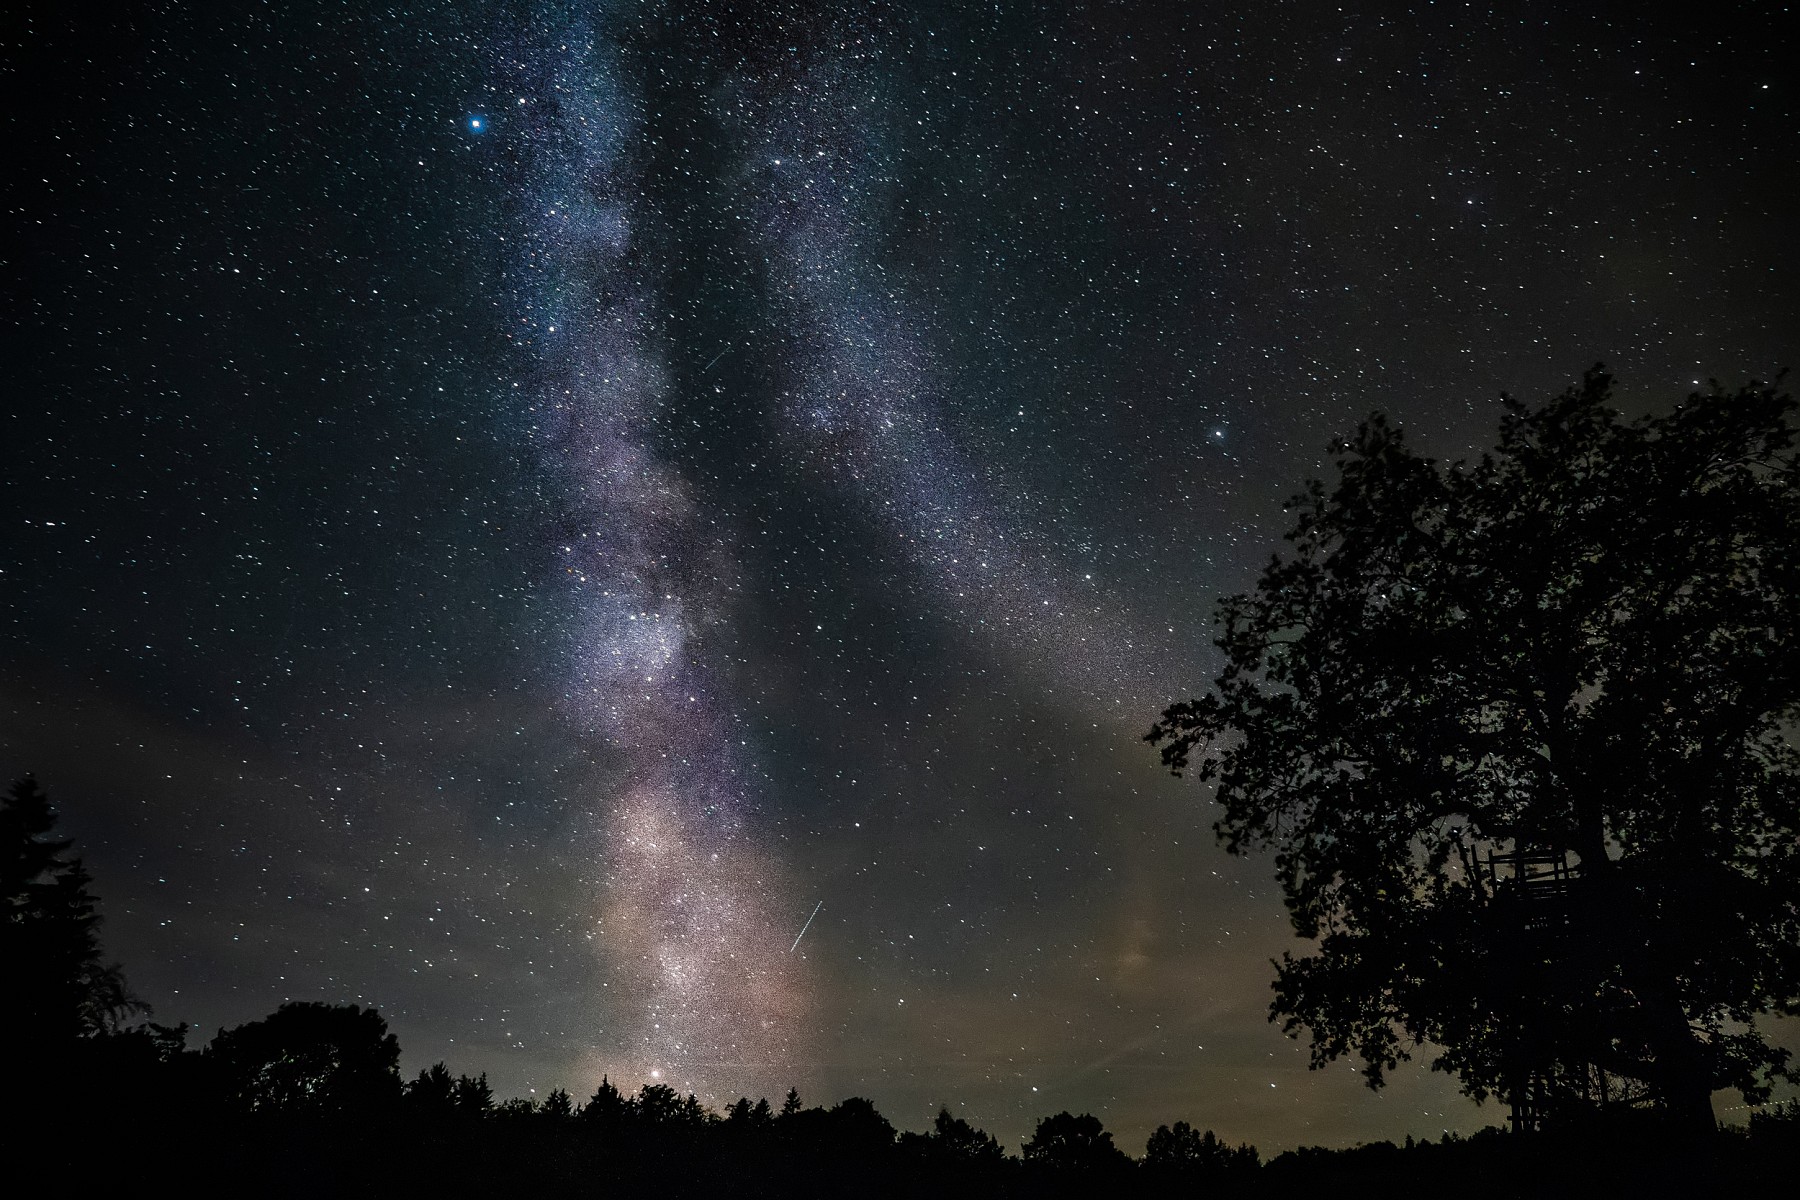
(858, 1126)
(1075, 1143)
(954, 1138)
(311, 1057)
(1581, 647)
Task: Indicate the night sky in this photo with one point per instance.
(510, 508)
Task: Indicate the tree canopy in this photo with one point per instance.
(1185, 1148)
(1069, 1142)
(1519, 732)
(307, 1056)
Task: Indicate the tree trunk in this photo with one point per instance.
(1615, 921)
(1684, 1079)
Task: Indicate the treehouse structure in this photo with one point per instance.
(1532, 890)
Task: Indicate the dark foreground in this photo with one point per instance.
(119, 1152)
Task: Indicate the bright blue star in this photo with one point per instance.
(477, 124)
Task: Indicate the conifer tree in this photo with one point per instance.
(434, 1090)
(473, 1097)
(58, 988)
(607, 1109)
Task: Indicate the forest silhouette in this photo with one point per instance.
(310, 1100)
(1520, 735)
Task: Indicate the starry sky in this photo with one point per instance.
(514, 510)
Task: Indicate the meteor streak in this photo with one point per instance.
(805, 927)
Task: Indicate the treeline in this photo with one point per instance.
(311, 1097)
(310, 1101)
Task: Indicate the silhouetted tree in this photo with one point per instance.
(760, 1113)
(145, 1060)
(1068, 1142)
(856, 1127)
(607, 1109)
(1578, 652)
(434, 1091)
(658, 1104)
(557, 1105)
(791, 1105)
(1777, 1123)
(1181, 1148)
(473, 1097)
(517, 1109)
(57, 987)
(309, 1057)
(954, 1140)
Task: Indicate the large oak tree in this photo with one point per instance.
(1576, 658)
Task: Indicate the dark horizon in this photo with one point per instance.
(514, 510)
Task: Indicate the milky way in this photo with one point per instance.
(690, 891)
(869, 400)
(523, 507)
(687, 897)
(691, 895)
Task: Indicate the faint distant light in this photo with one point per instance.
(1218, 433)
